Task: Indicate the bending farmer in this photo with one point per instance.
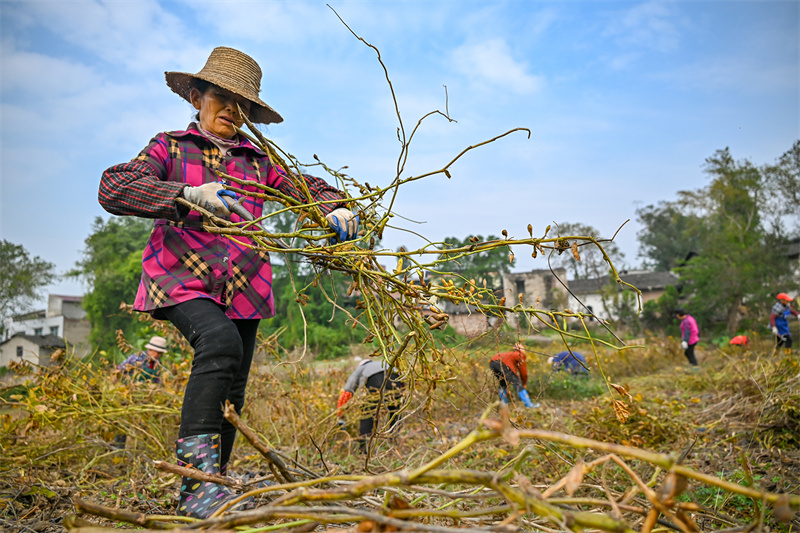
(372, 375)
(572, 362)
(510, 368)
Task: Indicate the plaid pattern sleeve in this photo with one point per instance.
(139, 187)
(320, 191)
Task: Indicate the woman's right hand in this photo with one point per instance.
(214, 198)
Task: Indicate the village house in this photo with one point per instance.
(593, 293)
(62, 325)
(541, 289)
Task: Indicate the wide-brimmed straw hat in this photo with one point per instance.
(157, 343)
(234, 71)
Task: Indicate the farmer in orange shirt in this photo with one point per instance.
(510, 368)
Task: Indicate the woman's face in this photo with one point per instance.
(217, 109)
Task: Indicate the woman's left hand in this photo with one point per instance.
(344, 223)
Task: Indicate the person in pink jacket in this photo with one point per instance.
(690, 335)
(213, 289)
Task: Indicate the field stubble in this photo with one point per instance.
(736, 419)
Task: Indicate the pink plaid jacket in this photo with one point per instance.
(180, 262)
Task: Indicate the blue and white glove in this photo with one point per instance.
(344, 223)
(684, 345)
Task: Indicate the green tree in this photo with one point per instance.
(783, 180)
(591, 264)
(666, 239)
(112, 267)
(306, 314)
(479, 265)
(737, 263)
(21, 278)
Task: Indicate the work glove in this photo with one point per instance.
(220, 202)
(340, 422)
(775, 331)
(684, 345)
(344, 223)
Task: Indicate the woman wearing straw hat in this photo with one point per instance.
(146, 364)
(213, 289)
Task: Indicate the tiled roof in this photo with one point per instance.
(46, 341)
(644, 281)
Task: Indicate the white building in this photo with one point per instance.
(64, 318)
(592, 294)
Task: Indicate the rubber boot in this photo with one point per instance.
(199, 499)
(503, 395)
(526, 400)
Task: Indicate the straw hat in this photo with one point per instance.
(234, 71)
(157, 343)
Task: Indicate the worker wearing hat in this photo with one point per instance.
(146, 365)
(779, 321)
(215, 290)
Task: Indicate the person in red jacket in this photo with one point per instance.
(510, 368)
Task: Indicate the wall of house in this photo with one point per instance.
(64, 317)
(540, 289)
(470, 325)
(49, 325)
(76, 335)
(68, 306)
(31, 352)
(595, 301)
(592, 300)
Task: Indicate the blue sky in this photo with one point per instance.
(625, 101)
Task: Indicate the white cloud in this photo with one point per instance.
(39, 76)
(649, 25)
(490, 63)
(133, 35)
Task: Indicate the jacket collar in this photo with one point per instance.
(192, 131)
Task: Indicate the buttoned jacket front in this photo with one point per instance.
(181, 261)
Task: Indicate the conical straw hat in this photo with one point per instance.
(234, 71)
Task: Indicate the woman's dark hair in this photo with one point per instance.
(680, 312)
(202, 86)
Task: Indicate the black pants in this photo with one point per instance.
(689, 353)
(391, 399)
(505, 376)
(784, 340)
(223, 352)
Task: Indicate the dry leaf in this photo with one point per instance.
(621, 390)
(782, 512)
(491, 423)
(574, 478)
(575, 253)
(621, 410)
(365, 526)
(672, 487)
(507, 432)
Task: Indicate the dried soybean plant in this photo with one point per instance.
(437, 499)
(397, 308)
(604, 487)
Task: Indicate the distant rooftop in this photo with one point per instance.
(641, 279)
